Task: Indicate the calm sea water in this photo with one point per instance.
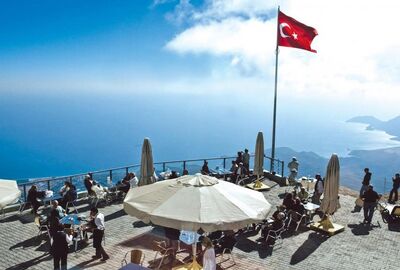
(51, 135)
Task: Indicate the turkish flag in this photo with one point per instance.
(292, 33)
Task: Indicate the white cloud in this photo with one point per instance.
(358, 46)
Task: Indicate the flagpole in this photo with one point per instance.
(275, 96)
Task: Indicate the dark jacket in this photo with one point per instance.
(396, 182)
(370, 196)
(367, 178)
(33, 195)
(60, 244)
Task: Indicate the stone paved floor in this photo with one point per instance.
(358, 247)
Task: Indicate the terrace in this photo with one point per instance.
(358, 247)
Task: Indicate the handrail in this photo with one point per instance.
(71, 177)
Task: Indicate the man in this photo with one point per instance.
(293, 168)
(366, 181)
(59, 248)
(303, 194)
(370, 199)
(246, 160)
(98, 234)
(57, 210)
(319, 189)
(205, 170)
(396, 185)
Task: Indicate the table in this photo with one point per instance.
(133, 266)
(310, 209)
(71, 220)
(55, 196)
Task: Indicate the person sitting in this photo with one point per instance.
(88, 184)
(303, 194)
(133, 180)
(185, 172)
(215, 236)
(205, 170)
(288, 201)
(173, 175)
(57, 210)
(227, 241)
(279, 209)
(70, 195)
(298, 207)
(33, 198)
(274, 226)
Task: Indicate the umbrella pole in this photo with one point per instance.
(194, 265)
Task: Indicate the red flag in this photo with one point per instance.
(292, 33)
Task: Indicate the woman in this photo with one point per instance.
(33, 196)
(209, 262)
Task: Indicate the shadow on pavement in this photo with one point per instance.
(115, 215)
(361, 228)
(30, 263)
(312, 243)
(247, 245)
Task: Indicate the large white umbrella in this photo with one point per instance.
(259, 156)
(193, 202)
(9, 192)
(330, 202)
(146, 164)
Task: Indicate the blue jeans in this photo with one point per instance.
(369, 209)
(363, 189)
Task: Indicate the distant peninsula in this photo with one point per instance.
(391, 127)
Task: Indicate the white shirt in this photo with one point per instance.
(68, 238)
(320, 187)
(209, 262)
(134, 182)
(99, 221)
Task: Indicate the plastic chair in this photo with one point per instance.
(41, 227)
(276, 235)
(297, 218)
(73, 203)
(137, 257)
(161, 249)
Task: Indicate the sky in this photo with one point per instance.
(70, 69)
(210, 47)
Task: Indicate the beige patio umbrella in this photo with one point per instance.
(259, 160)
(146, 164)
(330, 202)
(9, 192)
(197, 201)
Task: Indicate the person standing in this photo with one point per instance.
(59, 248)
(33, 199)
(246, 160)
(98, 234)
(366, 181)
(370, 200)
(396, 185)
(209, 261)
(293, 168)
(319, 189)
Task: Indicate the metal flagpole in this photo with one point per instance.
(275, 95)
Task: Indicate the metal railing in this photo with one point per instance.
(105, 176)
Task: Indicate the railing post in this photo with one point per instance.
(70, 179)
(24, 192)
(224, 163)
(184, 165)
(111, 175)
(283, 167)
(126, 170)
(48, 185)
(163, 166)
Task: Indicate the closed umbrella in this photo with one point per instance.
(259, 156)
(330, 202)
(146, 164)
(197, 201)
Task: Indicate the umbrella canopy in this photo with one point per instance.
(330, 202)
(197, 201)
(146, 165)
(9, 192)
(259, 156)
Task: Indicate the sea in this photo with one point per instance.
(48, 135)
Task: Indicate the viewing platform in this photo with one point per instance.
(359, 246)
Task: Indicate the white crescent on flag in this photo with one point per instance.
(281, 26)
